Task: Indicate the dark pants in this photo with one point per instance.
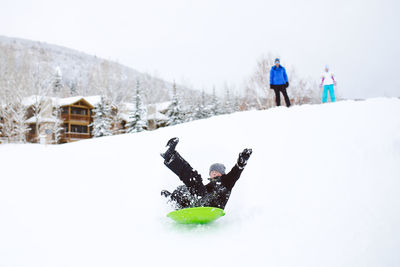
(186, 173)
(190, 194)
(281, 89)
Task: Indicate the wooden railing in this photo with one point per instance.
(75, 117)
(75, 136)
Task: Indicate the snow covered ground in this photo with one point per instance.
(322, 188)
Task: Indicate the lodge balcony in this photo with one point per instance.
(75, 136)
(75, 117)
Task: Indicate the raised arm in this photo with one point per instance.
(231, 178)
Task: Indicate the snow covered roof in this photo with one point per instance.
(124, 116)
(41, 120)
(69, 100)
(153, 110)
(154, 116)
(160, 106)
(157, 117)
(93, 100)
(126, 107)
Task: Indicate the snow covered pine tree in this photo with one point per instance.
(201, 111)
(137, 118)
(102, 121)
(174, 113)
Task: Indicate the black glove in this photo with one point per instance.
(244, 157)
(171, 148)
(287, 84)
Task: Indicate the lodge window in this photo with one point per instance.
(66, 127)
(64, 110)
(79, 111)
(79, 129)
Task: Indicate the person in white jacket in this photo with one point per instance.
(328, 81)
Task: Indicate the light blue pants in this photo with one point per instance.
(325, 93)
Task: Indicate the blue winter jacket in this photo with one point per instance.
(278, 76)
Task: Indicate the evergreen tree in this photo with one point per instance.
(137, 118)
(73, 87)
(174, 113)
(202, 111)
(228, 106)
(215, 105)
(236, 104)
(102, 121)
(57, 84)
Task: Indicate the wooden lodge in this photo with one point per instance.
(77, 117)
(75, 113)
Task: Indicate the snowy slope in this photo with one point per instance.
(322, 188)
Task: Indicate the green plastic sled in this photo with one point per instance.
(198, 215)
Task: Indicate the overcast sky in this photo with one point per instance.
(209, 42)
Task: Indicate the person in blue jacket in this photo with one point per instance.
(279, 82)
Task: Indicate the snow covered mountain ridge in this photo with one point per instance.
(321, 188)
(82, 73)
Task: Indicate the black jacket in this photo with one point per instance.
(219, 189)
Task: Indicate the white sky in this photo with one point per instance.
(209, 42)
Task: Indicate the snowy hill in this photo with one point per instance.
(322, 188)
(85, 74)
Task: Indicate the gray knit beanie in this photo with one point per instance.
(218, 167)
